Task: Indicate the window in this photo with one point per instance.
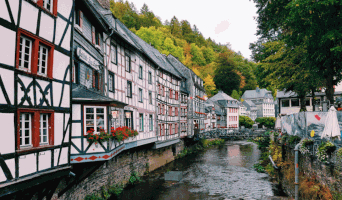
(79, 18)
(75, 68)
(170, 129)
(176, 95)
(114, 54)
(163, 91)
(140, 95)
(307, 101)
(170, 111)
(285, 103)
(111, 82)
(95, 118)
(128, 63)
(140, 72)
(294, 102)
(171, 94)
(150, 97)
(129, 89)
(149, 77)
(96, 36)
(176, 111)
(34, 55)
(96, 80)
(151, 122)
(35, 128)
(141, 122)
(129, 119)
(49, 5)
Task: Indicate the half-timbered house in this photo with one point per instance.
(35, 102)
(186, 82)
(93, 103)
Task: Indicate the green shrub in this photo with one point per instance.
(293, 139)
(116, 189)
(245, 121)
(259, 168)
(93, 197)
(134, 178)
(268, 122)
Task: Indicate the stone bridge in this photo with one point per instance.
(229, 134)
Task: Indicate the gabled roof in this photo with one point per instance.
(257, 93)
(249, 104)
(222, 96)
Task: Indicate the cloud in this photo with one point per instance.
(222, 26)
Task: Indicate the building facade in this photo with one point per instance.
(35, 88)
(230, 107)
(263, 100)
(251, 109)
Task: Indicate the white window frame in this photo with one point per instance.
(94, 118)
(128, 63)
(23, 128)
(151, 122)
(45, 3)
(141, 122)
(22, 50)
(42, 128)
(113, 54)
(140, 95)
(110, 81)
(40, 60)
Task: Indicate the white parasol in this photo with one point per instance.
(332, 128)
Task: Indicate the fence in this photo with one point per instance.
(301, 124)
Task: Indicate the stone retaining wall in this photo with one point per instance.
(119, 169)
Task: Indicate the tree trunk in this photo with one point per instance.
(313, 99)
(330, 85)
(302, 103)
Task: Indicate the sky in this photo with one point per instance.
(225, 21)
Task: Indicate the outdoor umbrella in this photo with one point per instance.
(332, 127)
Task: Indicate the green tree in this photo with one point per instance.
(268, 122)
(175, 27)
(235, 95)
(226, 78)
(197, 55)
(245, 121)
(313, 24)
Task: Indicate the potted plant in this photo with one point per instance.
(306, 146)
(325, 150)
(102, 136)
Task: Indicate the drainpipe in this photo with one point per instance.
(296, 171)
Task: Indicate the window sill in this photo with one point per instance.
(78, 28)
(26, 72)
(31, 148)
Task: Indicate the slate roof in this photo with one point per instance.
(151, 52)
(183, 70)
(250, 105)
(290, 94)
(81, 93)
(257, 93)
(222, 96)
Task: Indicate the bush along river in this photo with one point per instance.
(225, 171)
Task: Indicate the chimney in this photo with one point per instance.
(105, 4)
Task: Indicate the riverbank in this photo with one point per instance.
(128, 175)
(317, 179)
(218, 172)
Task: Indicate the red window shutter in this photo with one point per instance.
(98, 81)
(81, 18)
(93, 34)
(94, 79)
(176, 111)
(176, 128)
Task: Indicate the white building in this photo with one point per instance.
(231, 108)
(263, 100)
(35, 84)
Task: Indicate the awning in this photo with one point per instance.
(81, 94)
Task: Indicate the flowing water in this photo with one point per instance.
(217, 173)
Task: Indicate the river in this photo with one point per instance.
(218, 173)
